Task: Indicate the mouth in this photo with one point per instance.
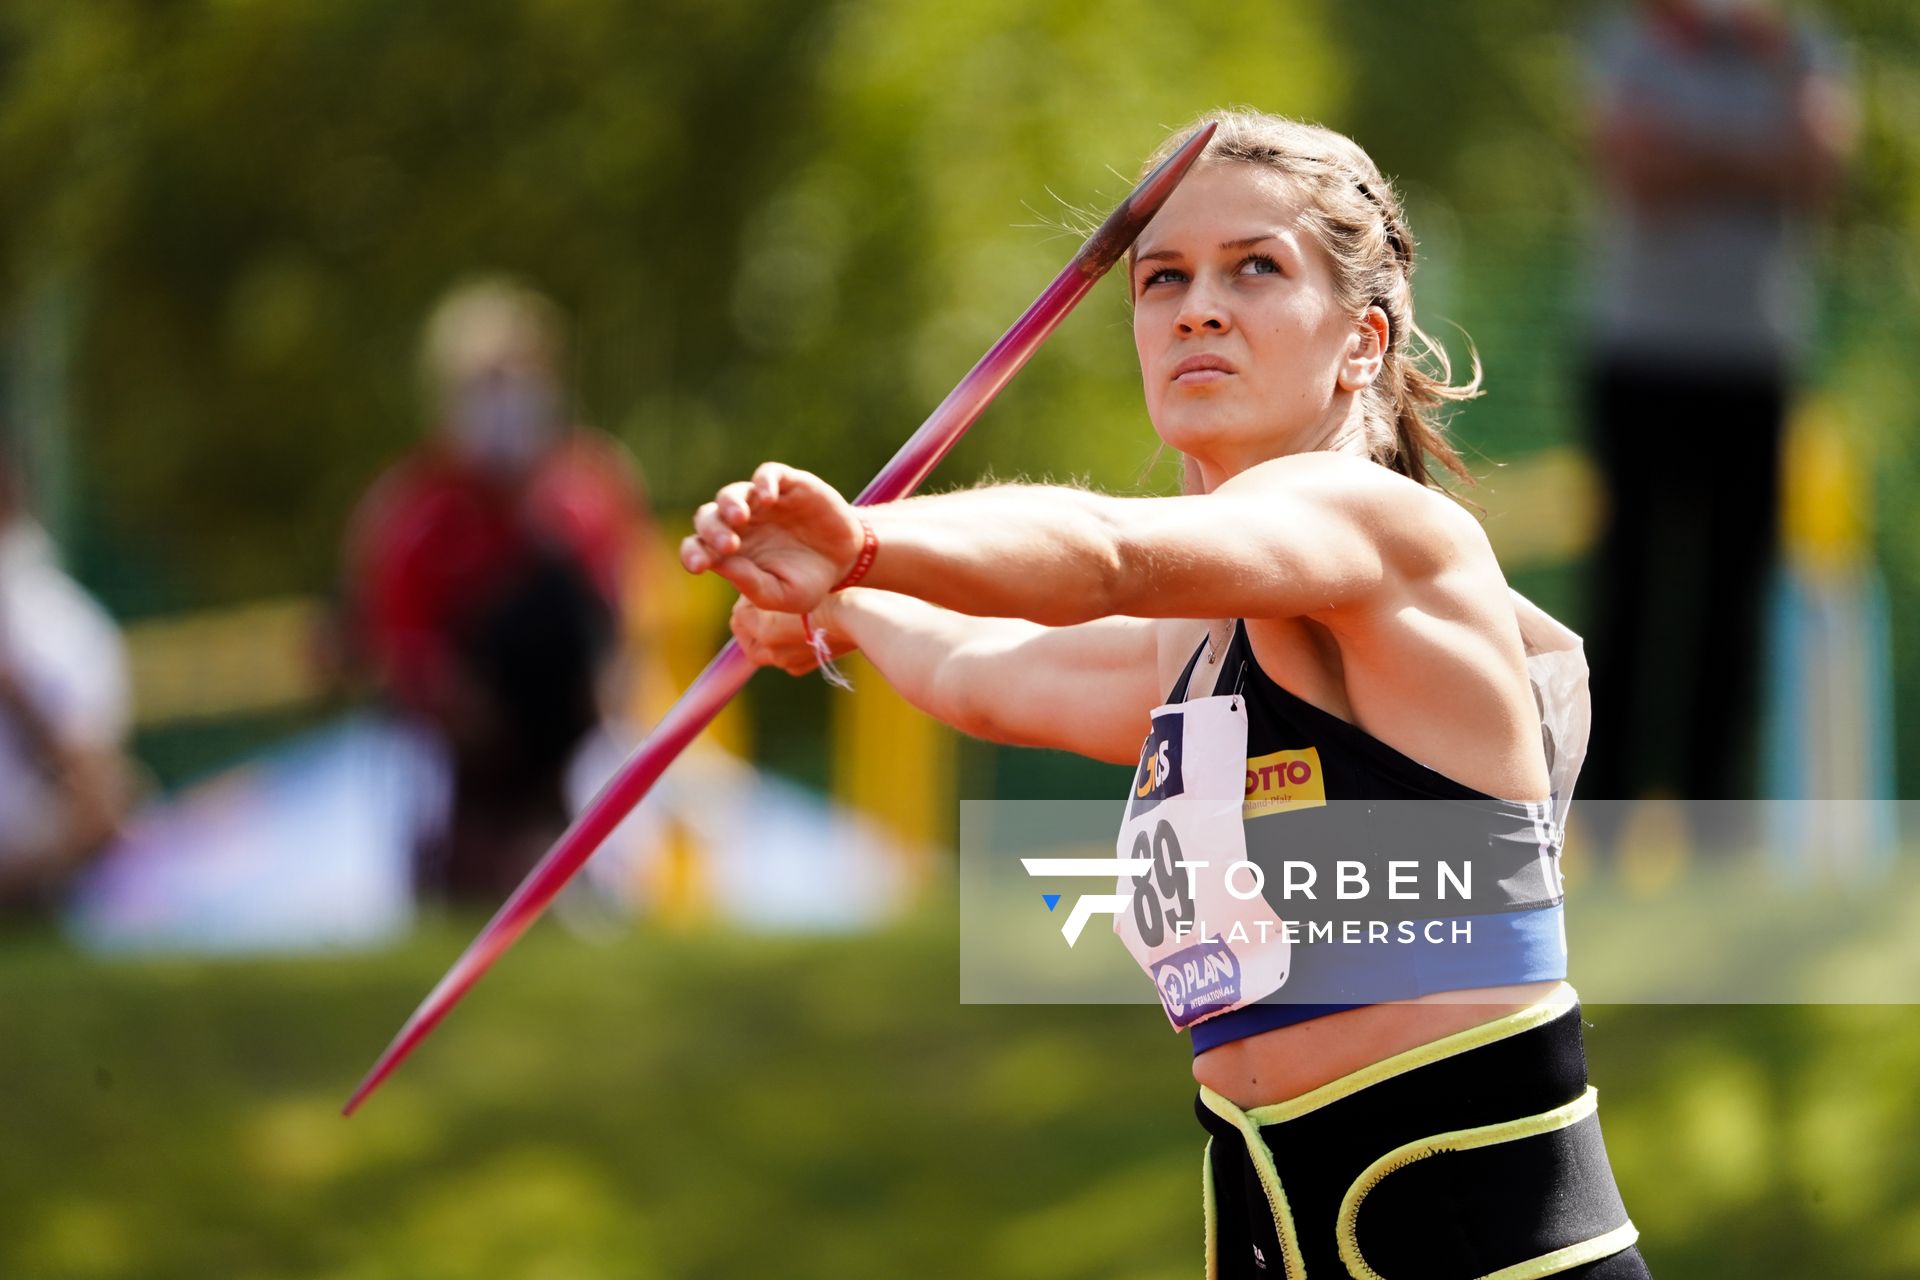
(1197, 370)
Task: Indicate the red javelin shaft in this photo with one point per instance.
(727, 674)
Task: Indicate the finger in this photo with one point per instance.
(772, 639)
(749, 619)
(693, 555)
(714, 533)
(771, 480)
(757, 653)
(794, 660)
(735, 503)
(775, 631)
(748, 624)
(753, 582)
(795, 655)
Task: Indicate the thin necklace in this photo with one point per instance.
(1216, 647)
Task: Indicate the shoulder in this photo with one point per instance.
(398, 491)
(419, 500)
(1403, 517)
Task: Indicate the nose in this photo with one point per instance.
(1202, 310)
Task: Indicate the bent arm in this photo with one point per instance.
(1086, 689)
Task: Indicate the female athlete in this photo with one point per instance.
(1315, 605)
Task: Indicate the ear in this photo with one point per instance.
(1366, 351)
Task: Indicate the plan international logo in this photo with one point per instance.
(1198, 981)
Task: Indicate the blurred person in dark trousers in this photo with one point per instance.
(484, 576)
(1720, 129)
(64, 783)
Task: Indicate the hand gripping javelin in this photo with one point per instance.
(727, 674)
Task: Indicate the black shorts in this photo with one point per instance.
(1478, 1155)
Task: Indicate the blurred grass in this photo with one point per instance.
(675, 1105)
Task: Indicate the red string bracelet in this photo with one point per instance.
(869, 548)
(817, 636)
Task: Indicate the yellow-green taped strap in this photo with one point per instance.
(1206, 1210)
(1545, 1010)
(1292, 1260)
(1552, 1264)
(1347, 1226)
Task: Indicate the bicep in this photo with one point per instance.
(1087, 688)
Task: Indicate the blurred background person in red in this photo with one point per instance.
(484, 576)
(64, 782)
(1721, 129)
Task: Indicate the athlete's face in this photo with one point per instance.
(1245, 351)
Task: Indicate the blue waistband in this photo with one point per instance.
(1330, 977)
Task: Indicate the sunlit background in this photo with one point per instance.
(778, 230)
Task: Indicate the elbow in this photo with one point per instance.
(1110, 568)
(955, 700)
(1082, 575)
(1074, 570)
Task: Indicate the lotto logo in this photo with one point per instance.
(1284, 780)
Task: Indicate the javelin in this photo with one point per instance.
(727, 674)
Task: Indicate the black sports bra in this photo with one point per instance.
(1310, 776)
(1358, 766)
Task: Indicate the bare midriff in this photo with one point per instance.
(1284, 1063)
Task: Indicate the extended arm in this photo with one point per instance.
(1307, 535)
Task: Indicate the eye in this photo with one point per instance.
(1165, 275)
(1259, 264)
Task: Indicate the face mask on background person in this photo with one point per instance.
(504, 422)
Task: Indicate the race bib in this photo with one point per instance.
(1195, 918)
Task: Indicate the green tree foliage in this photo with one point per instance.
(784, 229)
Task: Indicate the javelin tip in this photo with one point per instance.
(1123, 226)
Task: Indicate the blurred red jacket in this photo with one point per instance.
(437, 539)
